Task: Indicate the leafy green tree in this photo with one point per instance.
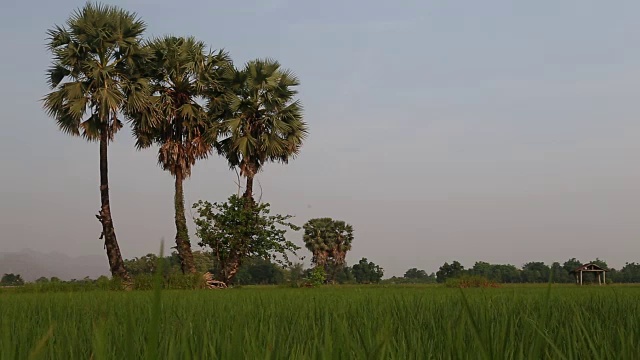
(258, 271)
(413, 276)
(414, 273)
(535, 272)
(449, 271)
(294, 272)
(11, 280)
(147, 264)
(559, 274)
(501, 273)
(260, 120)
(571, 265)
(366, 272)
(482, 268)
(42, 280)
(95, 77)
(180, 73)
(630, 273)
(329, 241)
(344, 275)
(235, 232)
(505, 273)
(316, 276)
(142, 265)
(204, 261)
(601, 263)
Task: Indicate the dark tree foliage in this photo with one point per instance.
(535, 272)
(366, 272)
(449, 271)
(414, 273)
(295, 272)
(571, 265)
(539, 272)
(258, 271)
(11, 280)
(146, 265)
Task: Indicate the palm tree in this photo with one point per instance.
(93, 79)
(180, 73)
(329, 241)
(318, 236)
(261, 121)
(343, 236)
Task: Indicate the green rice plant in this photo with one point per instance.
(331, 322)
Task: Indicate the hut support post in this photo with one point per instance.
(580, 277)
(604, 277)
(599, 279)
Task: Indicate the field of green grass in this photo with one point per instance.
(346, 322)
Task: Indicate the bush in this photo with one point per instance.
(316, 277)
(102, 283)
(471, 281)
(171, 281)
(140, 282)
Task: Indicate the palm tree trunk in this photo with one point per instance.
(182, 232)
(248, 192)
(116, 263)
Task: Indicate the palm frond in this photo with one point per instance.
(181, 74)
(94, 59)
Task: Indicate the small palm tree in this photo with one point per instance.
(181, 73)
(94, 78)
(329, 241)
(343, 233)
(318, 238)
(261, 121)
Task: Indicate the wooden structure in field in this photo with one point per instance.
(593, 269)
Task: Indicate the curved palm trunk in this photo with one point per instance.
(116, 263)
(182, 232)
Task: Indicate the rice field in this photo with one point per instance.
(345, 322)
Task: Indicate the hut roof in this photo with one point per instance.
(589, 267)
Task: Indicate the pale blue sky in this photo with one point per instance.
(500, 131)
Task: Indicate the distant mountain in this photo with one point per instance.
(32, 265)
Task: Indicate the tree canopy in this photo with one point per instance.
(260, 119)
(235, 232)
(366, 272)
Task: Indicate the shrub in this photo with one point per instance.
(469, 281)
(171, 281)
(316, 277)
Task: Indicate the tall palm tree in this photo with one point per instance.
(94, 79)
(261, 121)
(180, 73)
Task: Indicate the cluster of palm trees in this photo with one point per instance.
(188, 101)
(329, 241)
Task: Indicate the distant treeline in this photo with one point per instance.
(257, 271)
(531, 272)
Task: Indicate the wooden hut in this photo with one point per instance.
(590, 268)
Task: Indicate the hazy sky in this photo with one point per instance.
(500, 131)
